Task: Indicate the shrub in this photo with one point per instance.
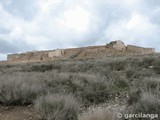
(134, 96)
(130, 73)
(41, 68)
(147, 61)
(95, 91)
(88, 87)
(117, 65)
(94, 97)
(16, 90)
(152, 84)
(92, 81)
(121, 84)
(57, 107)
(156, 66)
(147, 104)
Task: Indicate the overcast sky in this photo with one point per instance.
(27, 25)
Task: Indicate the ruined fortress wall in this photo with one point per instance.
(83, 51)
(55, 53)
(95, 50)
(117, 45)
(35, 56)
(94, 47)
(113, 49)
(12, 57)
(71, 51)
(92, 52)
(28, 57)
(140, 50)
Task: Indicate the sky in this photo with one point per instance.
(27, 25)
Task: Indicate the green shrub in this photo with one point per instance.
(57, 107)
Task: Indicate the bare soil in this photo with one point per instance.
(18, 113)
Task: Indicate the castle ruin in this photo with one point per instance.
(118, 45)
(114, 48)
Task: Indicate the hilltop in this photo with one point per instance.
(87, 83)
(114, 48)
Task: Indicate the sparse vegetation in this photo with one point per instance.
(91, 82)
(57, 107)
(147, 104)
(20, 89)
(156, 66)
(97, 114)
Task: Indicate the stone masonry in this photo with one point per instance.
(56, 53)
(114, 48)
(118, 45)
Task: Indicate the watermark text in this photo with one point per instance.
(138, 115)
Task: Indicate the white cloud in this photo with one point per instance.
(3, 57)
(139, 23)
(46, 5)
(76, 18)
(61, 23)
(135, 30)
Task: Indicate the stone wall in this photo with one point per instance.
(56, 53)
(112, 49)
(35, 56)
(28, 57)
(12, 57)
(140, 50)
(93, 51)
(118, 45)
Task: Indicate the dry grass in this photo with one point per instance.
(96, 114)
(57, 107)
(91, 81)
(20, 89)
(147, 104)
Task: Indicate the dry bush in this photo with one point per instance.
(117, 65)
(57, 107)
(146, 61)
(134, 95)
(20, 89)
(91, 81)
(89, 88)
(147, 104)
(97, 114)
(156, 65)
(151, 84)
